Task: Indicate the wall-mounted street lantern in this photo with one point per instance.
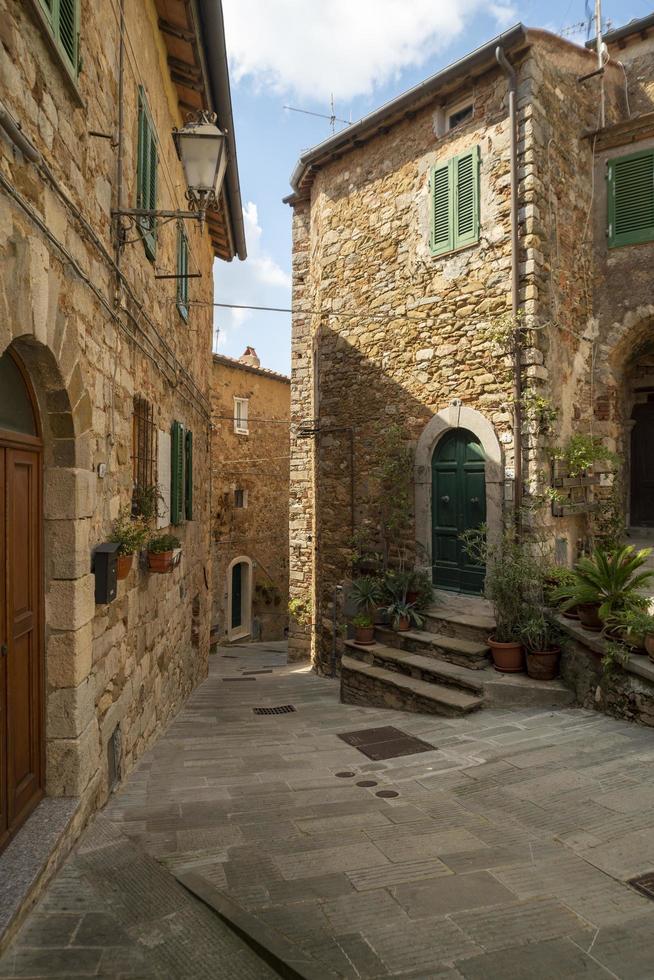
(202, 149)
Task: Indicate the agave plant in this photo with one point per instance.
(367, 593)
(609, 580)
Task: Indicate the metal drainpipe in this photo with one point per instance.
(510, 72)
(17, 137)
(121, 127)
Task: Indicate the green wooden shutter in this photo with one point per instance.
(465, 174)
(182, 273)
(441, 213)
(177, 473)
(63, 17)
(631, 199)
(146, 175)
(189, 476)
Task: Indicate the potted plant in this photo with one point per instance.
(421, 589)
(160, 552)
(637, 627)
(555, 578)
(606, 584)
(364, 629)
(130, 533)
(403, 615)
(367, 594)
(541, 640)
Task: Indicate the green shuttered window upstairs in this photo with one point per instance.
(63, 19)
(146, 175)
(631, 199)
(181, 474)
(454, 194)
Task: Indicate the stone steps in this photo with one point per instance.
(454, 649)
(423, 668)
(363, 683)
(459, 623)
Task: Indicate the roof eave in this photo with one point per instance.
(633, 28)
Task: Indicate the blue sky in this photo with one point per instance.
(297, 52)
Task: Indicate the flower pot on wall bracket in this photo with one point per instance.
(508, 658)
(123, 566)
(161, 561)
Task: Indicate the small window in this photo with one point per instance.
(240, 498)
(144, 450)
(181, 474)
(62, 17)
(459, 116)
(631, 199)
(454, 199)
(241, 416)
(146, 175)
(182, 273)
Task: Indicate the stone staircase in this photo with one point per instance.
(443, 669)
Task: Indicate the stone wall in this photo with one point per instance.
(258, 464)
(89, 348)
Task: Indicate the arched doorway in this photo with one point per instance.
(642, 465)
(21, 599)
(458, 505)
(239, 598)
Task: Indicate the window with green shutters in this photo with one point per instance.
(454, 196)
(188, 496)
(177, 477)
(63, 19)
(182, 272)
(631, 199)
(146, 175)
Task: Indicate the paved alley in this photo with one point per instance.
(501, 852)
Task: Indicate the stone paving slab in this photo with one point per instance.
(504, 856)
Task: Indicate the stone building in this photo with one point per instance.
(105, 353)
(469, 212)
(249, 498)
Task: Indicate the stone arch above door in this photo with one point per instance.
(455, 417)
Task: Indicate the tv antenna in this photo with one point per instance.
(333, 118)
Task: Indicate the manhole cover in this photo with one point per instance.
(387, 794)
(366, 782)
(385, 743)
(644, 884)
(345, 775)
(282, 709)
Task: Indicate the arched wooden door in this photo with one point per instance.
(458, 504)
(239, 598)
(642, 466)
(21, 622)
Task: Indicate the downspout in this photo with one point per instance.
(510, 73)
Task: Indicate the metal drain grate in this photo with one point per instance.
(644, 884)
(282, 709)
(385, 743)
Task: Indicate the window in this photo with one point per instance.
(146, 175)
(181, 474)
(182, 272)
(631, 199)
(459, 116)
(454, 198)
(144, 447)
(62, 17)
(240, 498)
(241, 416)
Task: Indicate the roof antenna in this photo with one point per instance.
(333, 118)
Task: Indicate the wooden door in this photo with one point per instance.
(458, 504)
(237, 595)
(642, 466)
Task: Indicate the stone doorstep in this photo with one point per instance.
(30, 859)
(447, 701)
(454, 649)
(287, 959)
(414, 665)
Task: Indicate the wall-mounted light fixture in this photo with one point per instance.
(202, 149)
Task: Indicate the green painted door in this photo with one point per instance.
(458, 504)
(237, 588)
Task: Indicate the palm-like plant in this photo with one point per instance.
(609, 580)
(367, 593)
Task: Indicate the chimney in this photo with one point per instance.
(249, 356)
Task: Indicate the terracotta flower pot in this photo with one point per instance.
(508, 658)
(589, 617)
(571, 613)
(412, 597)
(123, 566)
(364, 635)
(649, 645)
(403, 624)
(160, 561)
(543, 665)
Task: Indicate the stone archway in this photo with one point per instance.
(454, 417)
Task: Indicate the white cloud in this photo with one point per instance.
(345, 47)
(259, 281)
